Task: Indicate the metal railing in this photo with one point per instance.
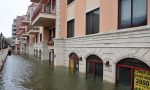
(31, 28)
(48, 8)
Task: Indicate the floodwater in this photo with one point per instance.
(28, 73)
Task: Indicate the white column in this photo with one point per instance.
(57, 19)
(59, 42)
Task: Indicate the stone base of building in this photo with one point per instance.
(41, 50)
(109, 47)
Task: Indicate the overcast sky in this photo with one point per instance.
(9, 9)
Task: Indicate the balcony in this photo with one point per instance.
(24, 35)
(22, 27)
(33, 30)
(35, 1)
(50, 42)
(18, 33)
(25, 21)
(44, 15)
(16, 41)
(23, 38)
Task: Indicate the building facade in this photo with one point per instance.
(18, 34)
(36, 30)
(104, 38)
(44, 18)
(13, 34)
(101, 38)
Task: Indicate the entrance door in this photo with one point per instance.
(51, 57)
(73, 62)
(40, 54)
(94, 67)
(34, 52)
(133, 74)
(123, 78)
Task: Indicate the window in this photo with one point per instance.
(36, 37)
(40, 37)
(70, 28)
(69, 1)
(54, 33)
(51, 33)
(132, 13)
(92, 22)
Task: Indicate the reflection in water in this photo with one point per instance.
(22, 73)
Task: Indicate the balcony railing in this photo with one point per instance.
(50, 42)
(48, 8)
(32, 28)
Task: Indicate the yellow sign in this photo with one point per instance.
(141, 80)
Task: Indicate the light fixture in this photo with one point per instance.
(80, 58)
(107, 64)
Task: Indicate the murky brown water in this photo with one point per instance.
(31, 74)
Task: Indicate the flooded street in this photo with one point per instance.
(24, 73)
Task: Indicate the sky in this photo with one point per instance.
(9, 10)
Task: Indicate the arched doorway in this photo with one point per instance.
(74, 62)
(40, 54)
(94, 66)
(36, 53)
(133, 74)
(51, 57)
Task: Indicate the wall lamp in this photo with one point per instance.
(107, 64)
(80, 58)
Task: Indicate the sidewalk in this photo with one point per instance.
(3, 56)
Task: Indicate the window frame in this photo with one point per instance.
(92, 31)
(119, 15)
(70, 33)
(70, 1)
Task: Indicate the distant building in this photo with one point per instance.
(13, 34)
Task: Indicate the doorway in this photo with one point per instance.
(73, 62)
(51, 57)
(94, 67)
(133, 74)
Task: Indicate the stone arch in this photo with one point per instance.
(132, 56)
(93, 55)
(126, 67)
(72, 51)
(73, 61)
(96, 54)
(36, 53)
(72, 54)
(94, 65)
(40, 53)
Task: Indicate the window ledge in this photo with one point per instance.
(117, 31)
(71, 4)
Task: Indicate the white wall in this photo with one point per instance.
(112, 47)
